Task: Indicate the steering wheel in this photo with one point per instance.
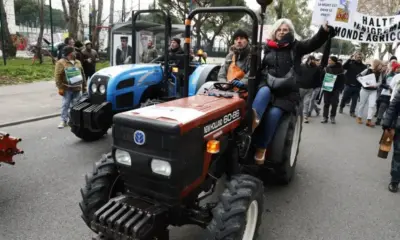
(226, 86)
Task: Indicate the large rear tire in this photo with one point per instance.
(101, 185)
(87, 135)
(238, 214)
(285, 170)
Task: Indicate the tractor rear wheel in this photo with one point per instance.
(87, 135)
(238, 214)
(285, 169)
(101, 185)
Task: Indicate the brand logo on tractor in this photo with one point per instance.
(139, 137)
(221, 122)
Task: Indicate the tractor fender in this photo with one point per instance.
(202, 74)
(151, 92)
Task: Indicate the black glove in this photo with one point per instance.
(332, 32)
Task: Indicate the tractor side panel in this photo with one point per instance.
(125, 91)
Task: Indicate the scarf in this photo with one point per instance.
(284, 42)
(241, 52)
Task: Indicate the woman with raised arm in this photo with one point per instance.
(281, 66)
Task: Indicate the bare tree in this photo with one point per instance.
(81, 25)
(98, 23)
(71, 16)
(39, 54)
(10, 49)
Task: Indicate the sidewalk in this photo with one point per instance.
(26, 101)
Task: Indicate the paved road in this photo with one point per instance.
(28, 100)
(339, 191)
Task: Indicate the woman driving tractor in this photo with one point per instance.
(280, 65)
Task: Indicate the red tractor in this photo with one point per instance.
(167, 158)
(8, 148)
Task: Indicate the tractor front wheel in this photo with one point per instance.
(101, 185)
(238, 214)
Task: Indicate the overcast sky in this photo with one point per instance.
(134, 4)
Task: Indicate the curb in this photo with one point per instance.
(34, 119)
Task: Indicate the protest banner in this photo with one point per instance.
(354, 26)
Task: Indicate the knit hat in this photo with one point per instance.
(177, 40)
(67, 50)
(240, 33)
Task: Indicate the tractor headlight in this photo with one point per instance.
(102, 89)
(122, 157)
(93, 88)
(161, 167)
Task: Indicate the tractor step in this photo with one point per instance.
(130, 218)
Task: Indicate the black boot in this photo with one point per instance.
(340, 110)
(393, 187)
(378, 122)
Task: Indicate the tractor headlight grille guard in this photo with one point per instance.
(98, 89)
(130, 218)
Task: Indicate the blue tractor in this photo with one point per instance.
(125, 87)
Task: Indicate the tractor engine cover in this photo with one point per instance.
(176, 134)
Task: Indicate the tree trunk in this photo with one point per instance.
(279, 10)
(39, 54)
(81, 26)
(73, 18)
(98, 23)
(9, 48)
(111, 23)
(65, 11)
(93, 22)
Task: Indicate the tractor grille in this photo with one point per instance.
(97, 98)
(130, 218)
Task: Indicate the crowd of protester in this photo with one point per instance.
(347, 89)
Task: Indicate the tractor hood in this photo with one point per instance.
(121, 79)
(119, 71)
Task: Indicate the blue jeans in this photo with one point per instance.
(69, 98)
(269, 119)
(261, 101)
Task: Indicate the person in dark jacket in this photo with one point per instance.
(331, 99)
(282, 58)
(175, 52)
(354, 66)
(392, 120)
(68, 41)
(309, 79)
